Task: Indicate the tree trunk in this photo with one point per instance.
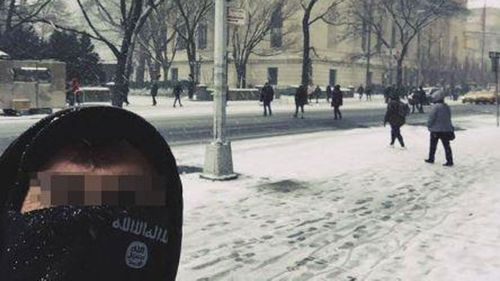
(241, 71)
(121, 83)
(306, 59)
(399, 74)
(141, 67)
(193, 69)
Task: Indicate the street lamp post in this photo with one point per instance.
(495, 56)
(218, 155)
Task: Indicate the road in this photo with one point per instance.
(192, 130)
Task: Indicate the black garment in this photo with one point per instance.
(82, 243)
(395, 113)
(267, 96)
(177, 93)
(177, 99)
(297, 107)
(396, 134)
(444, 137)
(154, 92)
(301, 96)
(337, 113)
(267, 106)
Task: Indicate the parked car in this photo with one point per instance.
(480, 97)
(429, 91)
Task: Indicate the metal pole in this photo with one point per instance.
(218, 155)
(496, 93)
(220, 74)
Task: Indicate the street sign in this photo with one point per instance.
(236, 16)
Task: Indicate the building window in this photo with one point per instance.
(272, 75)
(174, 74)
(333, 77)
(181, 43)
(277, 28)
(202, 35)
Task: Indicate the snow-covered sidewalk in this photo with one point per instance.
(344, 206)
(142, 105)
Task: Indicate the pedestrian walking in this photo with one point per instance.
(396, 117)
(329, 91)
(337, 102)
(368, 92)
(300, 100)
(77, 93)
(267, 96)
(389, 92)
(440, 128)
(177, 94)
(421, 99)
(317, 93)
(361, 91)
(154, 89)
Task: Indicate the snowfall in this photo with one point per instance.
(343, 205)
(339, 205)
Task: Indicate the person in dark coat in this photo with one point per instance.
(300, 100)
(329, 91)
(440, 128)
(421, 99)
(85, 225)
(396, 117)
(266, 97)
(177, 93)
(361, 91)
(389, 92)
(337, 102)
(154, 89)
(368, 92)
(317, 93)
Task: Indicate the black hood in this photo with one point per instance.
(80, 243)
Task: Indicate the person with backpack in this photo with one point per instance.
(441, 128)
(396, 117)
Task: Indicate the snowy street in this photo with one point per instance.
(344, 206)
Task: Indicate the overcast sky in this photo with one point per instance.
(480, 3)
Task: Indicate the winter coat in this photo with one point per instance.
(267, 94)
(394, 114)
(154, 89)
(337, 98)
(440, 119)
(301, 96)
(178, 90)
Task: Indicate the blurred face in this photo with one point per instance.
(122, 178)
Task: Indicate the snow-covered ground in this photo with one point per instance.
(344, 206)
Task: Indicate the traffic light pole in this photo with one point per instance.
(218, 154)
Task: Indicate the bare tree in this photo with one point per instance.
(408, 17)
(125, 18)
(191, 13)
(156, 37)
(262, 17)
(14, 14)
(312, 14)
